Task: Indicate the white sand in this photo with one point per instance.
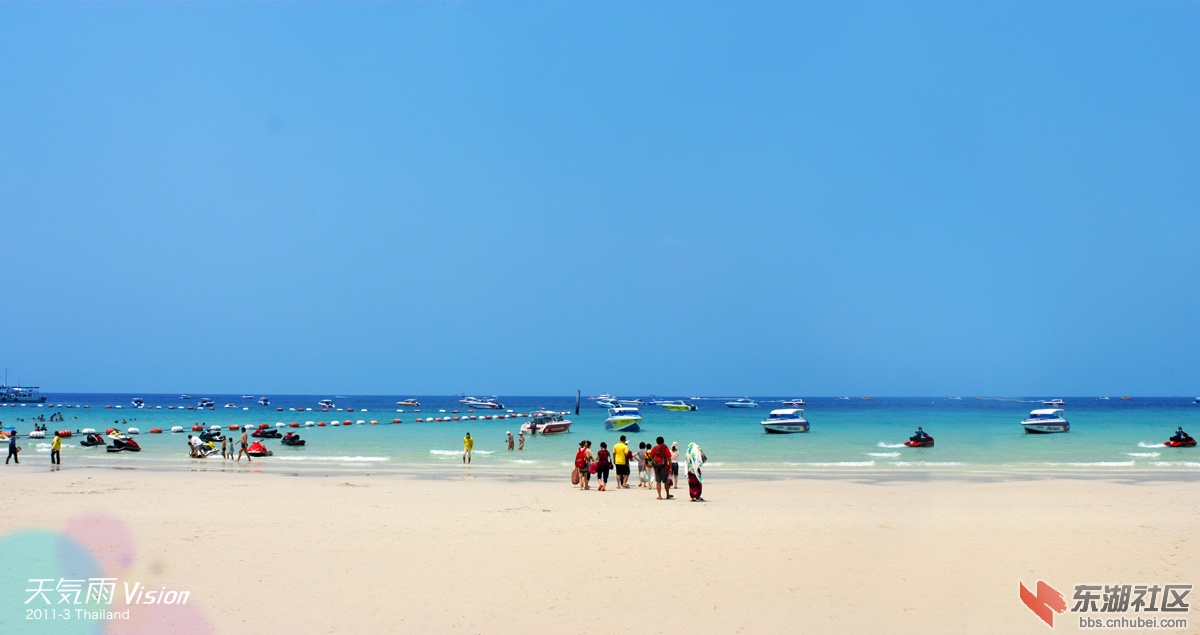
(265, 553)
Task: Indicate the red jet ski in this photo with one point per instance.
(927, 442)
(1187, 442)
(258, 449)
(119, 445)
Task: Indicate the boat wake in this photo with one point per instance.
(890, 445)
(1144, 455)
(884, 455)
(1143, 444)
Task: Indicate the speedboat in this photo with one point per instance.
(607, 402)
(263, 401)
(678, 405)
(1126, 398)
(138, 403)
(205, 402)
(848, 399)
(326, 404)
(185, 396)
(1046, 421)
(229, 405)
(1196, 401)
(1106, 399)
(785, 421)
(409, 402)
(795, 403)
(1057, 403)
(247, 396)
(488, 404)
(602, 395)
(744, 402)
(623, 419)
(546, 422)
(655, 401)
(630, 402)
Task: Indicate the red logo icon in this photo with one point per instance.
(1045, 603)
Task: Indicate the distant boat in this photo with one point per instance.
(229, 405)
(607, 402)
(546, 422)
(488, 404)
(630, 402)
(1104, 399)
(954, 398)
(247, 396)
(843, 399)
(138, 403)
(785, 421)
(1057, 403)
(1046, 421)
(409, 402)
(677, 405)
(205, 402)
(263, 401)
(795, 403)
(1197, 400)
(1126, 398)
(744, 402)
(603, 395)
(185, 396)
(326, 404)
(866, 398)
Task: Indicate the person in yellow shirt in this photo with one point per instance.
(55, 449)
(468, 443)
(620, 459)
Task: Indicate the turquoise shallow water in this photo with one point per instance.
(848, 437)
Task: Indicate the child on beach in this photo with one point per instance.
(643, 474)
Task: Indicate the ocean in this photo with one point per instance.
(975, 438)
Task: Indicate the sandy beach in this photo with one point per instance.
(269, 553)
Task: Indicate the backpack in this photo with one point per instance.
(659, 461)
(581, 458)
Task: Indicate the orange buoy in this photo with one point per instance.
(234, 426)
(419, 420)
(320, 424)
(293, 425)
(155, 430)
(395, 421)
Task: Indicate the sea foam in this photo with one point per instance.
(1143, 444)
(890, 445)
(884, 455)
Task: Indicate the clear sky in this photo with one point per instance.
(902, 198)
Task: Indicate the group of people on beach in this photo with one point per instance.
(657, 464)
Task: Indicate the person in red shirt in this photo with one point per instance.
(660, 459)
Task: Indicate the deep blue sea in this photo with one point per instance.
(848, 437)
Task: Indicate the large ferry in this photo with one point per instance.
(21, 394)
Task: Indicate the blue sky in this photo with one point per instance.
(674, 198)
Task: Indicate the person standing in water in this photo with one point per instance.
(468, 444)
(243, 446)
(55, 450)
(510, 440)
(521, 445)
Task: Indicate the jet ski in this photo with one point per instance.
(258, 449)
(119, 445)
(266, 433)
(926, 442)
(292, 439)
(1186, 442)
(212, 435)
(93, 440)
(206, 449)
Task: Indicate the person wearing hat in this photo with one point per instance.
(510, 440)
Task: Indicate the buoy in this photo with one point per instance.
(280, 424)
(197, 428)
(419, 420)
(109, 407)
(176, 428)
(335, 423)
(214, 428)
(373, 422)
(279, 410)
(309, 424)
(293, 425)
(262, 426)
(234, 426)
(133, 431)
(395, 421)
(155, 430)
(63, 433)
(349, 409)
(346, 422)
(37, 434)
(454, 411)
(88, 431)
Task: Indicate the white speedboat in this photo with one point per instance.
(326, 404)
(609, 403)
(263, 401)
(409, 402)
(678, 405)
(205, 402)
(623, 419)
(185, 396)
(631, 402)
(602, 395)
(487, 404)
(785, 421)
(744, 402)
(546, 422)
(1054, 403)
(138, 403)
(1106, 399)
(1197, 400)
(795, 403)
(229, 405)
(247, 396)
(1046, 421)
